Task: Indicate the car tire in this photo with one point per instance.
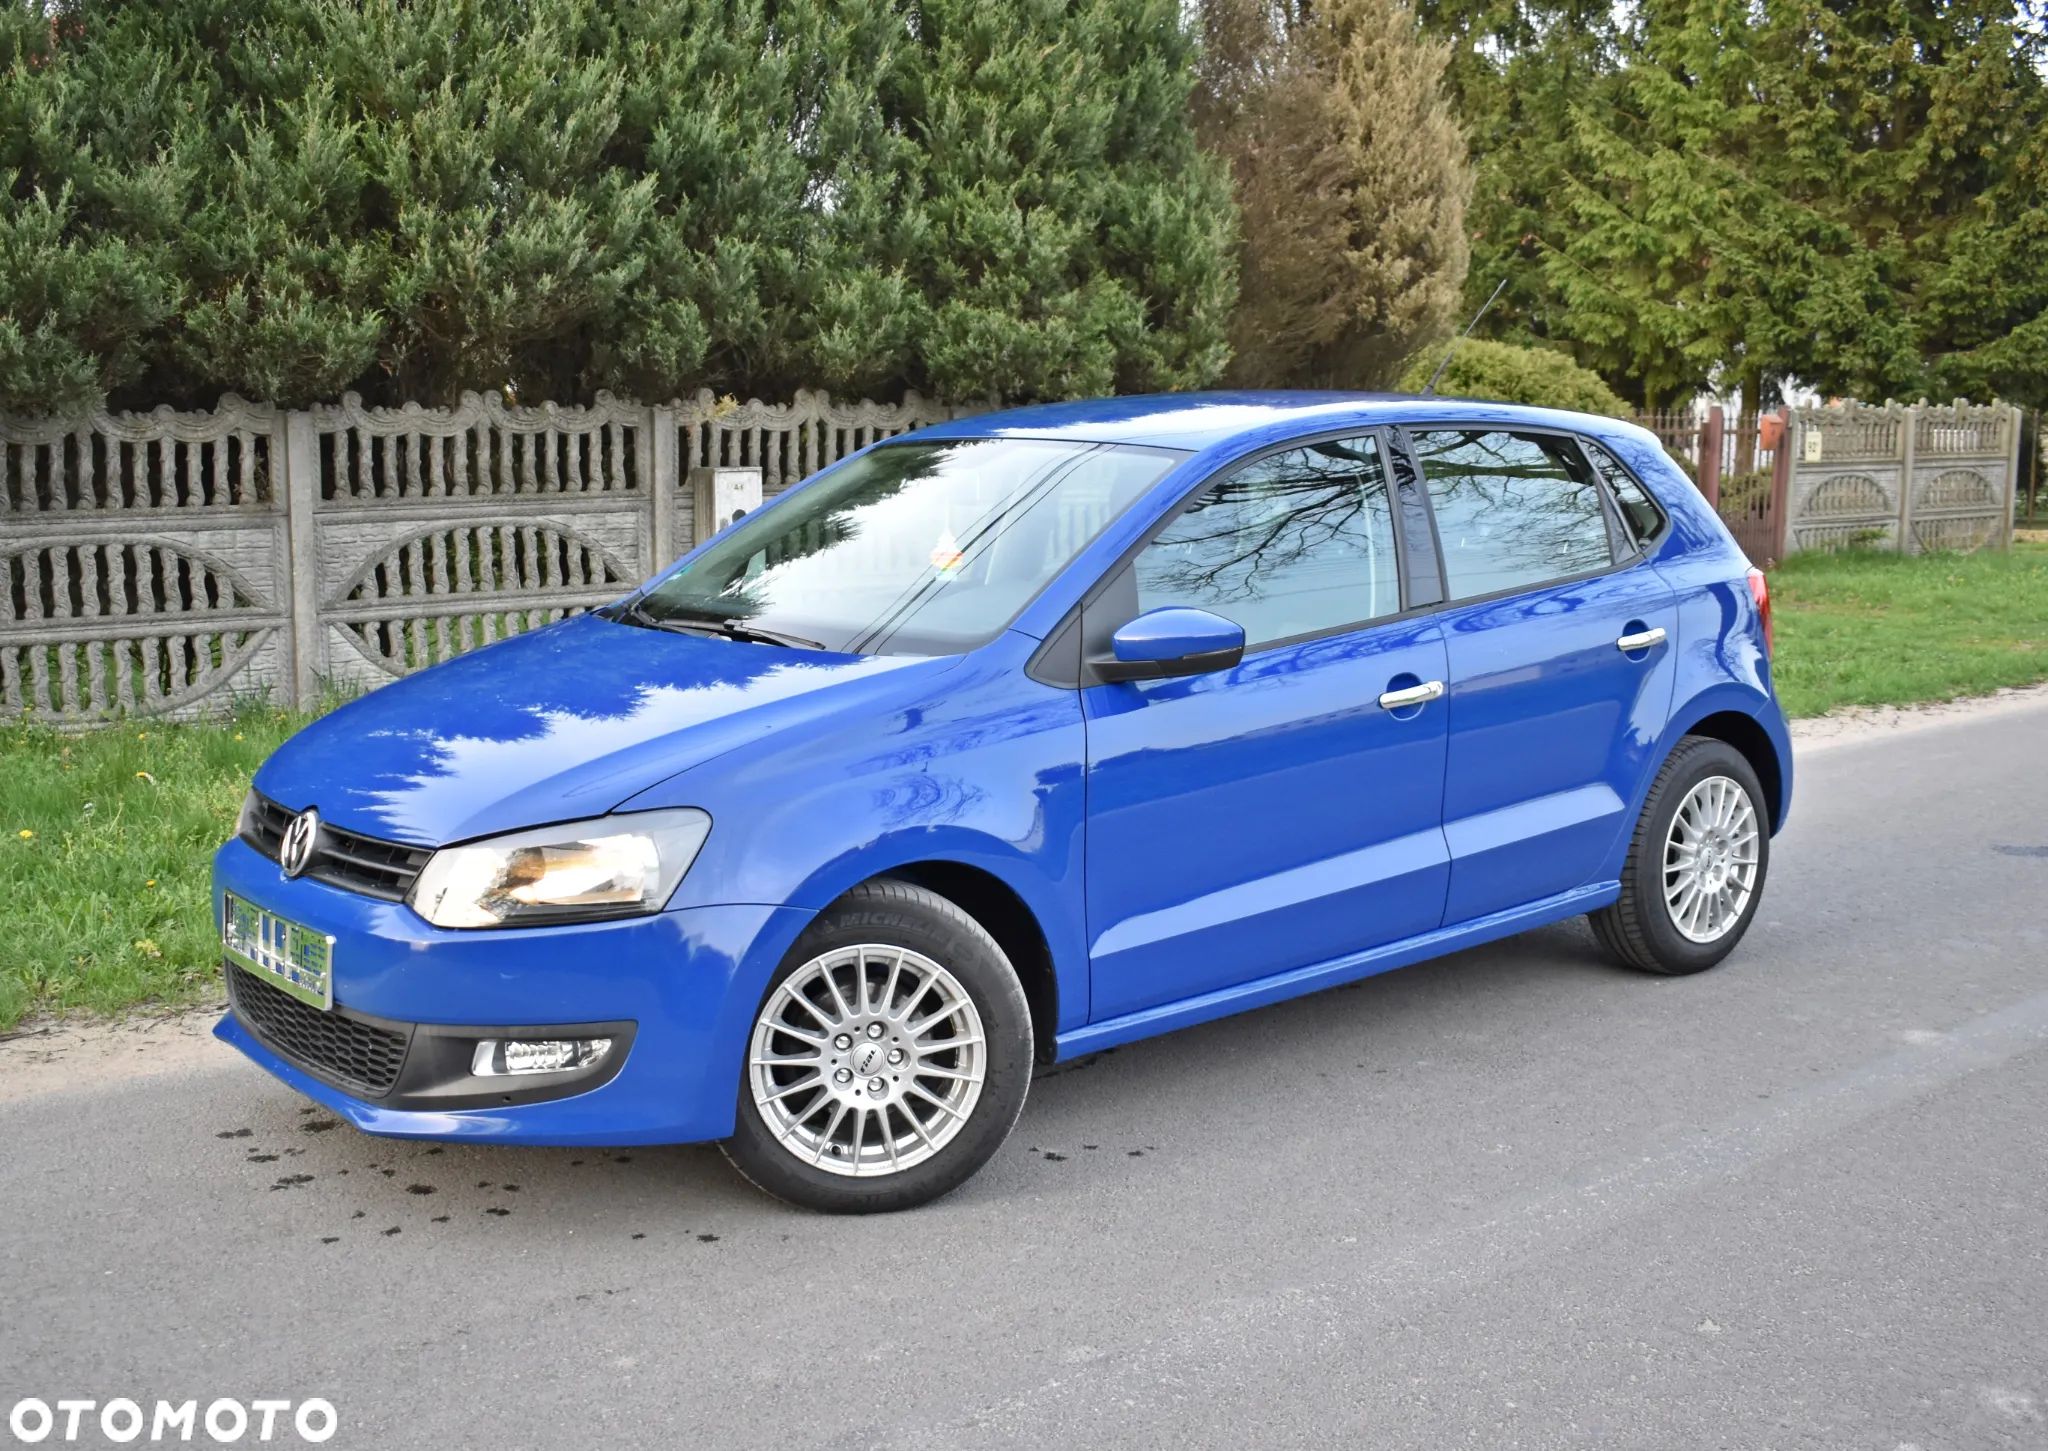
(829, 1132)
(1681, 912)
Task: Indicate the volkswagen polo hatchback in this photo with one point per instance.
(1007, 741)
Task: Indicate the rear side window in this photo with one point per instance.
(1296, 543)
(1641, 519)
(1513, 510)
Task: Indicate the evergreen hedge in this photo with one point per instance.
(291, 198)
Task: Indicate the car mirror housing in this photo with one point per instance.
(1173, 641)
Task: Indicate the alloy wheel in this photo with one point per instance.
(867, 1060)
(1710, 859)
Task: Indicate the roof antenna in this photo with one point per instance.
(1451, 351)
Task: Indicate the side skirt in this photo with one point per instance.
(1350, 968)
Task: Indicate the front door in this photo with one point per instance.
(1561, 664)
(1275, 815)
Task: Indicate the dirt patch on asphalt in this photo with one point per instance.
(65, 1056)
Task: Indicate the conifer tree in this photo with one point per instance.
(88, 277)
(1988, 305)
(1798, 189)
(1517, 71)
(1352, 180)
(1074, 240)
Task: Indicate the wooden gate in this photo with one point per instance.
(1746, 473)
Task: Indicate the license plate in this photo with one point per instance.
(294, 958)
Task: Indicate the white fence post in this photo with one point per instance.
(301, 564)
(2016, 421)
(662, 480)
(1910, 446)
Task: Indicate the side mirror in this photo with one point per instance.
(1172, 641)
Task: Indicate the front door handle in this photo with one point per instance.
(1414, 695)
(1629, 644)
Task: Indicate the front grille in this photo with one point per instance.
(383, 869)
(344, 1050)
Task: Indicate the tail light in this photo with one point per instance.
(1760, 591)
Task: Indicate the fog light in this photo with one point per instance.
(497, 1057)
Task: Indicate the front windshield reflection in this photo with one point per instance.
(915, 548)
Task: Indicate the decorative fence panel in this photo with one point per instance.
(789, 442)
(145, 563)
(1907, 478)
(1913, 479)
(434, 531)
(168, 564)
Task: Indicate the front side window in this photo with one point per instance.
(1513, 510)
(1293, 544)
(925, 548)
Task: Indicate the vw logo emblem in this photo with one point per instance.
(295, 852)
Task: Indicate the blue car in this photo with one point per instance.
(1004, 742)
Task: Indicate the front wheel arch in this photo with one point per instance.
(1036, 919)
(1008, 918)
(869, 1011)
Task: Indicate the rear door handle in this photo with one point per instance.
(1414, 695)
(1629, 644)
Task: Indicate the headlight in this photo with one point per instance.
(613, 866)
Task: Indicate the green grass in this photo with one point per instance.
(106, 837)
(1865, 628)
(106, 841)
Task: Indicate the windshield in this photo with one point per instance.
(914, 548)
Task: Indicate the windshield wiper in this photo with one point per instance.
(633, 612)
(734, 630)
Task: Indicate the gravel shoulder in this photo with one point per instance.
(74, 1055)
(1862, 723)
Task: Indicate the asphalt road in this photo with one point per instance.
(1516, 1198)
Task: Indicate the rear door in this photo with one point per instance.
(1274, 815)
(1559, 637)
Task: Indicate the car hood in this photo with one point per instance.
(565, 722)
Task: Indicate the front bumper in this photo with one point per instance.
(681, 986)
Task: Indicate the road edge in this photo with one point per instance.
(1853, 724)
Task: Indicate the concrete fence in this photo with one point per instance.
(167, 564)
(1904, 477)
(1913, 478)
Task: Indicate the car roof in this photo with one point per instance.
(1198, 421)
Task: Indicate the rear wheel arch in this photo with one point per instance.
(1747, 735)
